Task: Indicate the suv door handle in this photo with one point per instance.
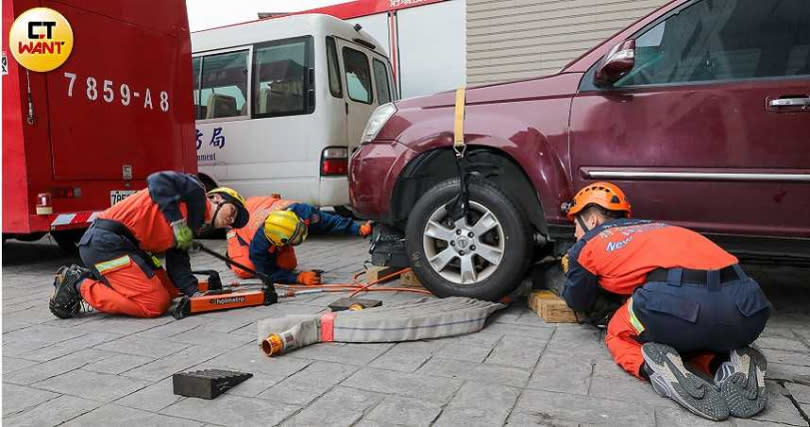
(790, 102)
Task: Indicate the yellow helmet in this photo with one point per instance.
(285, 228)
(232, 196)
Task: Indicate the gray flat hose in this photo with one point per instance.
(422, 319)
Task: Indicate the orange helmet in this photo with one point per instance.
(604, 194)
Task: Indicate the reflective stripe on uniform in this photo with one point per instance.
(637, 325)
(231, 234)
(112, 264)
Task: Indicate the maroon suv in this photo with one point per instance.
(699, 111)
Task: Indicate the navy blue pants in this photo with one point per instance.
(715, 316)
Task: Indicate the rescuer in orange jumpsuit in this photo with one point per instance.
(124, 277)
(251, 247)
(685, 295)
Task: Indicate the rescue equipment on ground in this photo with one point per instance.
(423, 319)
(208, 383)
(217, 297)
(224, 298)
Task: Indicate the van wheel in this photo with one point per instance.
(483, 255)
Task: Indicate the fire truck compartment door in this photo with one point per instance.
(113, 104)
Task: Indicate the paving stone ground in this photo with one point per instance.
(106, 370)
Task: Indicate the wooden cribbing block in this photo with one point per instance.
(409, 278)
(551, 308)
(376, 272)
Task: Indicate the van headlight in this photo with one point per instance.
(378, 119)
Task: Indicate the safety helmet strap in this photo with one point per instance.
(582, 224)
(219, 206)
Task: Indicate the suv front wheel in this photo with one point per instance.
(482, 255)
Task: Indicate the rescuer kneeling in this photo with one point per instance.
(124, 276)
(690, 313)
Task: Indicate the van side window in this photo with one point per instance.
(223, 85)
(358, 76)
(280, 83)
(196, 66)
(381, 80)
(334, 68)
(716, 40)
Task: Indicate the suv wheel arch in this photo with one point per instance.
(435, 166)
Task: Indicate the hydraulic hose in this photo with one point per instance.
(423, 319)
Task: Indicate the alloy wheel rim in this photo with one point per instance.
(465, 251)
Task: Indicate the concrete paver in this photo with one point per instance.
(483, 373)
(19, 398)
(434, 389)
(308, 384)
(518, 371)
(403, 411)
(407, 356)
(585, 409)
(341, 406)
(52, 412)
(121, 415)
(519, 352)
(232, 410)
(177, 362)
(475, 405)
(92, 385)
(52, 368)
(153, 398)
(562, 374)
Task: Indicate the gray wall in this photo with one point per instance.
(513, 39)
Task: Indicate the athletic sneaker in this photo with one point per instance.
(669, 378)
(742, 382)
(66, 300)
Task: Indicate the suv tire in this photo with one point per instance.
(443, 253)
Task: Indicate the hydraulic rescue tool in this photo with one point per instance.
(215, 297)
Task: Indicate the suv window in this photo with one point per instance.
(334, 68)
(279, 78)
(716, 40)
(223, 85)
(358, 76)
(381, 80)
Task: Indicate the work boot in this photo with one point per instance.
(670, 378)
(742, 382)
(66, 299)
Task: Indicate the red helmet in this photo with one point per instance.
(604, 194)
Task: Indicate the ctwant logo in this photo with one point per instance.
(41, 39)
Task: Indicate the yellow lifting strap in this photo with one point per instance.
(458, 123)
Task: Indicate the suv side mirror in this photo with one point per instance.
(617, 63)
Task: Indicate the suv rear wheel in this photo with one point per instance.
(483, 255)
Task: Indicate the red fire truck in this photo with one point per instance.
(85, 135)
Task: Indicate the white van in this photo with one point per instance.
(281, 104)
